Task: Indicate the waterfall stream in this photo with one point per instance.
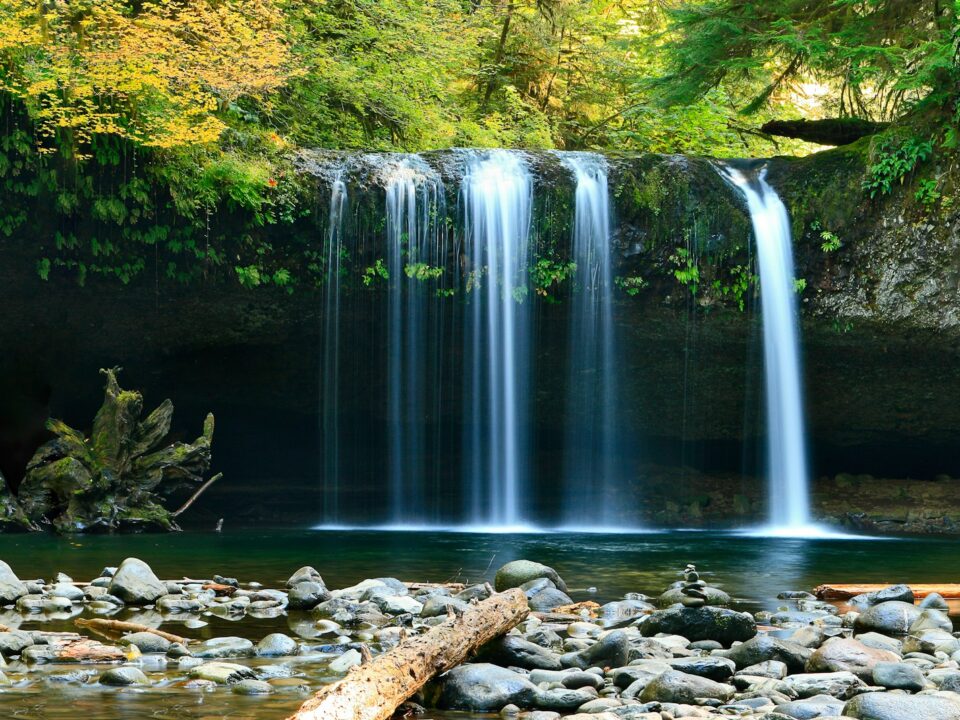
(591, 473)
(415, 246)
(330, 380)
(788, 476)
(497, 196)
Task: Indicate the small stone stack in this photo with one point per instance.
(692, 590)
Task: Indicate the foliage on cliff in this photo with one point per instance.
(115, 478)
(159, 133)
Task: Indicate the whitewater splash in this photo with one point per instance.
(789, 491)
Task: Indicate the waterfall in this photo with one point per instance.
(789, 496)
(591, 473)
(415, 249)
(497, 200)
(330, 369)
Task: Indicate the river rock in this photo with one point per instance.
(839, 654)
(146, 642)
(715, 596)
(813, 707)
(934, 601)
(68, 591)
(135, 583)
(612, 650)
(252, 687)
(579, 680)
(712, 667)
(351, 658)
(516, 573)
(880, 641)
(305, 574)
(931, 619)
(482, 687)
(397, 604)
(842, 685)
(678, 687)
(307, 595)
(764, 647)
(122, 676)
(441, 605)
(890, 618)
(549, 599)
(702, 623)
(180, 605)
(11, 587)
(898, 676)
(892, 706)
(514, 651)
(898, 593)
(223, 647)
(14, 642)
(643, 672)
(931, 641)
(277, 645)
(768, 669)
(221, 673)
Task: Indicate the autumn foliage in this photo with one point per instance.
(155, 73)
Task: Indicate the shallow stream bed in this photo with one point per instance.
(598, 567)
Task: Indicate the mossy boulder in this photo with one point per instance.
(519, 572)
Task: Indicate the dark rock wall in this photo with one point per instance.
(881, 345)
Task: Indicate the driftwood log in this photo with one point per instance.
(115, 478)
(118, 628)
(840, 591)
(373, 691)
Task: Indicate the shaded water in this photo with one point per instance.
(752, 569)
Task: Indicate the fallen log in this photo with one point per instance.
(831, 131)
(845, 591)
(373, 691)
(112, 628)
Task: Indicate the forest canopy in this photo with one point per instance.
(663, 75)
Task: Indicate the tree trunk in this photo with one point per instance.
(841, 591)
(375, 690)
(833, 131)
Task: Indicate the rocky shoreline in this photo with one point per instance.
(689, 652)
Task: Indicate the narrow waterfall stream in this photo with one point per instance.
(415, 246)
(591, 472)
(497, 197)
(788, 475)
(330, 366)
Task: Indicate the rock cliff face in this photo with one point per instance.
(881, 317)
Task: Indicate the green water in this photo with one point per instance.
(752, 569)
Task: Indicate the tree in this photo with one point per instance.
(156, 73)
(878, 58)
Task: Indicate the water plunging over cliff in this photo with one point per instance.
(497, 200)
(592, 476)
(330, 380)
(789, 494)
(415, 248)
